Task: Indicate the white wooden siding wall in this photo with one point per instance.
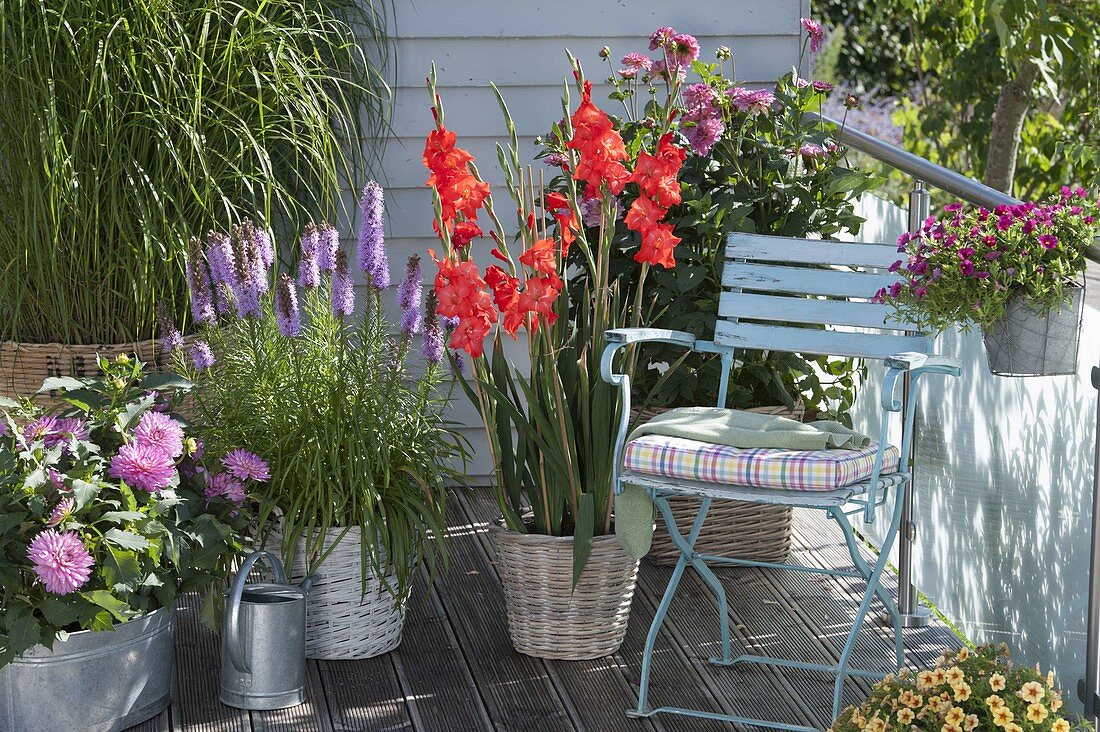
(1003, 486)
(520, 45)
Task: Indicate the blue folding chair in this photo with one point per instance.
(802, 296)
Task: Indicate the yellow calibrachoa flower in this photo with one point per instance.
(1031, 692)
(954, 675)
(1060, 725)
(876, 725)
(939, 676)
(963, 654)
(1055, 701)
(1002, 715)
(924, 678)
(971, 722)
(947, 727)
(962, 691)
(1036, 713)
(906, 716)
(995, 702)
(955, 716)
(1013, 727)
(997, 682)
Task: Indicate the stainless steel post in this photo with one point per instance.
(912, 614)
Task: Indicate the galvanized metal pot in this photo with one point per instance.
(93, 681)
(1027, 342)
(264, 641)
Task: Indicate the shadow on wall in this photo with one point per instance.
(1004, 501)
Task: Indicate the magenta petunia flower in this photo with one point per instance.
(61, 511)
(224, 486)
(246, 465)
(143, 466)
(1049, 241)
(60, 560)
(160, 431)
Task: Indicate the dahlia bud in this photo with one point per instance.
(122, 359)
(605, 52)
(723, 53)
(851, 101)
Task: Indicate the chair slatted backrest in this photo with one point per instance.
(778, 292)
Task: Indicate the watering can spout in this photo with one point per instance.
(263, 640)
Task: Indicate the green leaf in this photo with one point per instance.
(126, 539)
(118, 609)
(118, 517)
(61, 383)
(24, 632)
(121, 567)
(84, 492)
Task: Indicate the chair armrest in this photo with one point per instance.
(626, 336)
(910, 361)
(621, 337)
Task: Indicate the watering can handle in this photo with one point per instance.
(233, 609)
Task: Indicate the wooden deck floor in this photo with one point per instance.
(456, 671)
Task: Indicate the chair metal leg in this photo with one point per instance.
(865, 569)
(872, 590)
(686, 547)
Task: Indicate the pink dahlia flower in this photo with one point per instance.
(815, 32)
(143, 466)
(63, 510)
(633, 63)
(162, 432)
(224, 486)
(246, 465)
(661, 37)
(60, 561)
(685, 48)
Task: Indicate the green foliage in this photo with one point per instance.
(965, 268)
(148, 547)
(128, 125)
(354, 431)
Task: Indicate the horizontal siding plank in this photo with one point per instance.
(804, 280)
(481, 18)
(809, 251)
(519, 62)
(818, 342)
(747, 306)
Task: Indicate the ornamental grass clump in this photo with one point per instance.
(110, 507)
(334, 397)
(965, 266)
(967, 690)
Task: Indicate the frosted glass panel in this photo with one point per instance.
(1003, 490)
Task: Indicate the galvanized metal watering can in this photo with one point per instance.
(264, 640)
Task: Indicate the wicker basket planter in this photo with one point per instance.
(342, 622)
(24, 366)
(1029, 343)
(740, 529)
(547, 617)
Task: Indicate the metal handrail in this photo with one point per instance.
(925, 170)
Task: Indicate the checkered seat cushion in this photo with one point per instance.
(790, 470)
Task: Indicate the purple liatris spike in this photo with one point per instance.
(264, 246)
(372, 246)
(246, 282)
(250, 243)
(457, 362)
(219, 254)
(343, 296)
(408, 297)
(171, 338)
(201, 355)
(286, 307)
(328, 242)
(432, 348)
(198, 282)
(309, 274)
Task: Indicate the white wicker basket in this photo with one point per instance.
(342, 623)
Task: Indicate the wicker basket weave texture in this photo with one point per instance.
(341, 622)
(739, 529)
(547, 617)
(24, 366)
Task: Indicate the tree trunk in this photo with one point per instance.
(1008, 123)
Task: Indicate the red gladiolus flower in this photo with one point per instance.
(600, 146)
(506, 297)
(470, 333)
(657, 246)
(465, 232)
(542, 256)
(558, 204)
(440, 153)
(538, 297)
(644, 214)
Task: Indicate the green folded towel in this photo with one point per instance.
(747, 430)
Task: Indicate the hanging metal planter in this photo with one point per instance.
(1030, 342)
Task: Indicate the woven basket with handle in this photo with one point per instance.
(24, 366)
(739, 529)
(547, 616)
(343, 622)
